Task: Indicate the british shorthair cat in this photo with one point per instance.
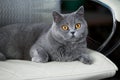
(64, 40)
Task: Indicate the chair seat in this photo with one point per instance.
(27, 70)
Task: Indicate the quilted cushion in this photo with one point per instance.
(27, 70)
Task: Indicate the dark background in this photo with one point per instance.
(100, 24)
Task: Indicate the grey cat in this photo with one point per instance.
(64, 40)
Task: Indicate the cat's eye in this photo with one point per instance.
(77, 26)
(65, 27)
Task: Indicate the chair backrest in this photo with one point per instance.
(113, 6)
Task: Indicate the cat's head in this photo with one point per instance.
(70, 27)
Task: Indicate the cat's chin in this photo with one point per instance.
(73, 40)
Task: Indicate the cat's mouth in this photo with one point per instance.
(73, 39)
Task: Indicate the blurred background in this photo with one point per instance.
(99, 20)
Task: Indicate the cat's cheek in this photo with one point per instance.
(61, 36)
(69, 35)
(78, 35)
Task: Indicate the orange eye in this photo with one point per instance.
(65, 27)
(77, 26)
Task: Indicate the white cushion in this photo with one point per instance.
(27, 70)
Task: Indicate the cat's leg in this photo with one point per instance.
(85, 58)
(39, 55)
(2, 57)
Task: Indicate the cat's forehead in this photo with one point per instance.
(71, 18)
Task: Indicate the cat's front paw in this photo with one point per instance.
(38, 60)
(39, 55)
(86, 59)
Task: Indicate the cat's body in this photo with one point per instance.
(64, 40)
(17, 39)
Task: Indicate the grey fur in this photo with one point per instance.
(43, 43)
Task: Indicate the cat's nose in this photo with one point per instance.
(72, 32)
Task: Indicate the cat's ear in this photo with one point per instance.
(80, 11)
(57, 17)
